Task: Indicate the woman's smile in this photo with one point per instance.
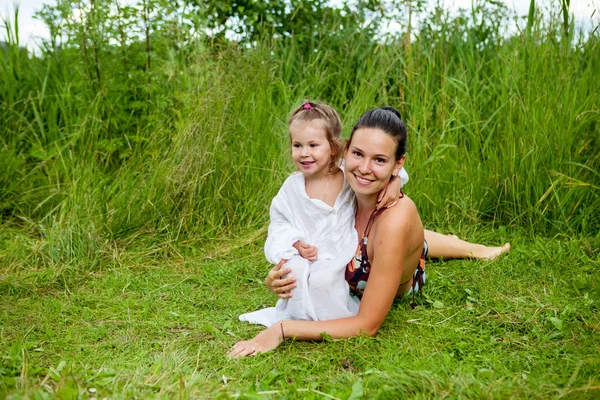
(370, 161)
(363, 181)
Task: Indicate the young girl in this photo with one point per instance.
(312, 222)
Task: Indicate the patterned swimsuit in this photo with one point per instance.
(359, 268)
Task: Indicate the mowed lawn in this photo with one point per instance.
(132, 139)
(159, 325)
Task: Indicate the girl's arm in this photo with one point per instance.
(282, 234)
(388, 197)
(398, 240)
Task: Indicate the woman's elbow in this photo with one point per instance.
(372, 331)
(369, 328)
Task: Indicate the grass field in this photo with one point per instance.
(526, 325)
(137, 167)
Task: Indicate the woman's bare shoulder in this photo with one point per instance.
(403, 211)
(401, 220)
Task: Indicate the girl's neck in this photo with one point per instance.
(325, 188)
(321, 175)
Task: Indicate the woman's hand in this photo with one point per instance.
(389, 195)
(265, 341)
(306, 251)
(276, 282)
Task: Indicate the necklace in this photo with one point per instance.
(324, 199)
(326, 188)
(359, 226)
(360, 231)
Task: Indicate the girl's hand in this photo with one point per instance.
(306, 250)
(265, 341)
(389, 195)
(276, 282)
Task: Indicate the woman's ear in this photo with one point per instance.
(399, 164)
(346, 147)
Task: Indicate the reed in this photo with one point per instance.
(503, 129)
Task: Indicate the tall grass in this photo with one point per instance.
(101, 152)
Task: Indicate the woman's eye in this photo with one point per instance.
(356, 153)
(380, 160)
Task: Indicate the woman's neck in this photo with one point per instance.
(366, 204)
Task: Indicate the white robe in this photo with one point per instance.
(321, 291)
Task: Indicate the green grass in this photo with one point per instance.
(134, 203)
(523, 326)
(503, 130)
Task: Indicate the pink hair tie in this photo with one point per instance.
(307, 106)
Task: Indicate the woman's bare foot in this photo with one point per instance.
(451, 246)
(489, 252)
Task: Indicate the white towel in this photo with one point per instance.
(321, 291)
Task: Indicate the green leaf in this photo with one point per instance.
(357, 391)
(157, 367)
(438, 304)
(556, 322)
(484, 373)
(67, 392)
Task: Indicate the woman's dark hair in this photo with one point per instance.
(389, 120)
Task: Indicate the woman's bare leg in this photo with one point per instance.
(450, 246)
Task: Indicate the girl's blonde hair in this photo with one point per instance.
(311, 111)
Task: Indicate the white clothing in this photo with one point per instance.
(403, 175)
(321, 291)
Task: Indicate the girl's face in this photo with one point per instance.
(370, 161)
(311, 150)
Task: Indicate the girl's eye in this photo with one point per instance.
(313, 145)
(296, 145)
(380, 160)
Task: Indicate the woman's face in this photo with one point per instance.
(370, 161)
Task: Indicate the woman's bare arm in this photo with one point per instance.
(397, 240)
(278, 283)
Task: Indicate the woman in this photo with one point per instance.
(394, 249)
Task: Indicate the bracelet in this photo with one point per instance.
(282, 334)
